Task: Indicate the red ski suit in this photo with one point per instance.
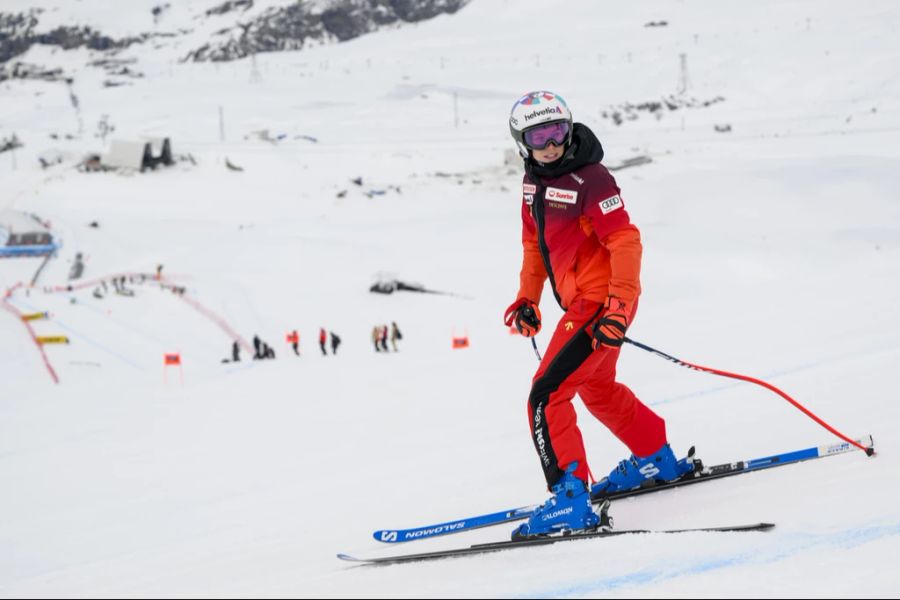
(577, 233)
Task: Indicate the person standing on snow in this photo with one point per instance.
(395, 335)
(376, 337)
(322, 339)
(294, 339)
(577, 234)
(384, 338)
(335, 342)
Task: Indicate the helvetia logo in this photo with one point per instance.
(555, 110)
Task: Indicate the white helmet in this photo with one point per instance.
(538, 108)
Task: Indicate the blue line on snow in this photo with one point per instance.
(774, 375)
(787, 545)
(85, 338)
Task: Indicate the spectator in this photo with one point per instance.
(335, 342)
(257, 348)
(376, 337)
(395, 335)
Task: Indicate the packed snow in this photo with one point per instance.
(771, 226)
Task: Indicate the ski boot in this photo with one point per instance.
(635, 472)
(568, 510)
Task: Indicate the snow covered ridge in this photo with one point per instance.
(295, 26)
(275, 29)
(18, 32)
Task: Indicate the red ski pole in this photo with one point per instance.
(683, 363)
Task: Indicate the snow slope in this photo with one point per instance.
(772, 250)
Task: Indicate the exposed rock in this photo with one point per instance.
(295, 26)
(227, 7)
(17, 35)
(285, 28)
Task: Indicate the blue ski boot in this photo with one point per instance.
(569, 509)
(635, 472)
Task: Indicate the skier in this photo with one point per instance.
(257, 348)
(322, 339)
(335, 342)
(235, 352)
(294, 339)
(577, 233)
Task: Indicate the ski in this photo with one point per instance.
(543, 541)
(699, 474)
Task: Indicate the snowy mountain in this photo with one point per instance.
(756, 148)
(226, 31)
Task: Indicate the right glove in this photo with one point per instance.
(525, 315)
(609, 329)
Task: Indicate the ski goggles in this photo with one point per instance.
(540, 136)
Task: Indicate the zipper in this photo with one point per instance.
(537, 211)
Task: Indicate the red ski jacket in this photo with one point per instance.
(576, 231)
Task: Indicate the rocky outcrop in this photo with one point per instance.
(295, 26)
(18, 34)
(286, 28)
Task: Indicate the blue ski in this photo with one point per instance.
(417, 533)
(699, 474)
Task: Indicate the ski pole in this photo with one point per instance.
(683, 363)
(536, 351)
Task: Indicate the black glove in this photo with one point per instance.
(609, 329)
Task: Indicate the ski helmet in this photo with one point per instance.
(535, 109)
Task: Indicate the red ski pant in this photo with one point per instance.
(572, 366)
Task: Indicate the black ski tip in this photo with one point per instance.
(763, 526)
(870, 451)
(348, 558)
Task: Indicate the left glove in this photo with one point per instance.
(609, 329)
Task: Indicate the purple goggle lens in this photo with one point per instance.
(538, 138)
